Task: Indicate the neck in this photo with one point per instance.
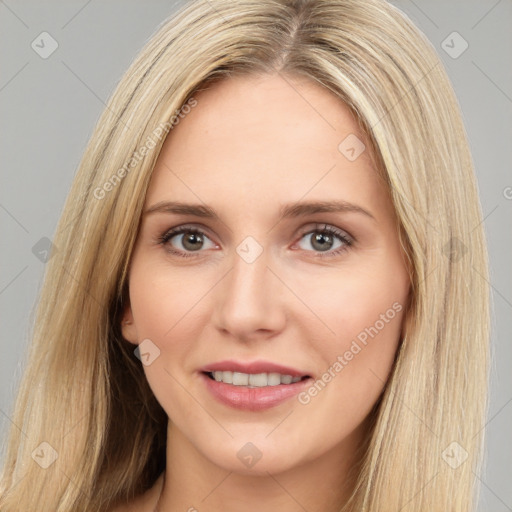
(194, 483)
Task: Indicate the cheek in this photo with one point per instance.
(163, 301)
(365, 309)
(169, 308)
(366, 312)
(162, 306)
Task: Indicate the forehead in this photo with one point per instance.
(264, 139)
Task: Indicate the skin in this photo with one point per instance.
(251, 145)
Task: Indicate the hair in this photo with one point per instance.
(83, 390)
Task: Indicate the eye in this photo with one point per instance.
(191, 240)
(326, 239)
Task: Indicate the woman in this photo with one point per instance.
(268, 289)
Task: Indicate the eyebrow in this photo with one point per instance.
(287, 211)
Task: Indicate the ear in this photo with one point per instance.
(128, 327)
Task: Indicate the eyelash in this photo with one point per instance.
(319, 228)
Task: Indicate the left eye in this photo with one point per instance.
(327, 239)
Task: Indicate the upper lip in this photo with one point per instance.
(253, 367)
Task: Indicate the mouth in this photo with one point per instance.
(254, 380)
(253, 386)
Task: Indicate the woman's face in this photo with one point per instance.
(287, 263)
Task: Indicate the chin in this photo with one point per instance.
(255, 458)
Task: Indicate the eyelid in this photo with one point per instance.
(184, 228)
(325, 226)
(304, 230)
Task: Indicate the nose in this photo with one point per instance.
(249, 301)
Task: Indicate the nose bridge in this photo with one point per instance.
(249, 300)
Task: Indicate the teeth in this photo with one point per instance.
(240, 379)
(258, 380)
(286, 379)
(253, 380)
(273, 379)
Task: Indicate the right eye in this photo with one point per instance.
(191, 240)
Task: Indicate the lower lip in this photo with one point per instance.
(253, 399)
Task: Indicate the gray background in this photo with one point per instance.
(48, 108)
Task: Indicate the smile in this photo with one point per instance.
(253, 380)
(253, 386)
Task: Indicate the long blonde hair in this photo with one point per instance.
(84, 392)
